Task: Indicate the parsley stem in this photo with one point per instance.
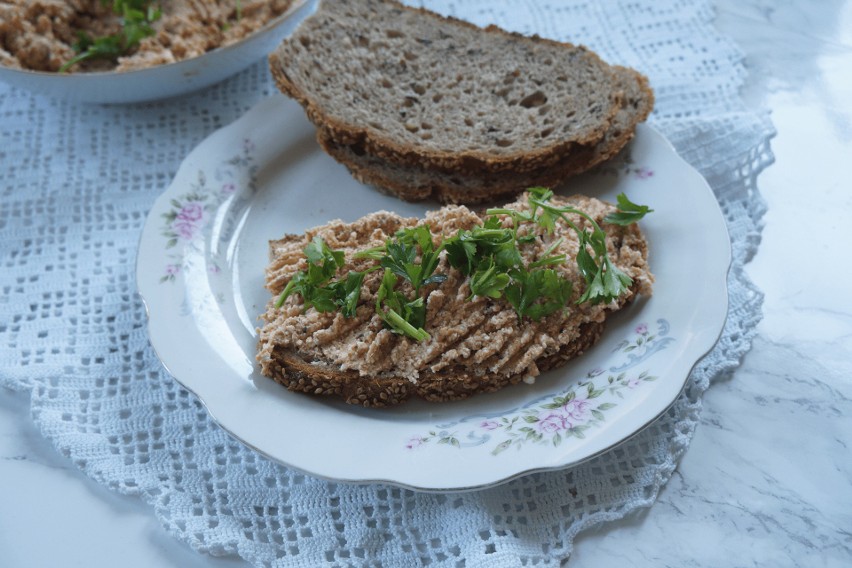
(398, 322)
(516, 216)
(490, 233)
(287, 289)
(374, 253)
(556, 259)
(553, 246)
(560, 212)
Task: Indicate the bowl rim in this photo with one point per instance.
(295, 5)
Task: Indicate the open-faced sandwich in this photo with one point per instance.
(458, 303)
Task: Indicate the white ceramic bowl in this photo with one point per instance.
(168, 80)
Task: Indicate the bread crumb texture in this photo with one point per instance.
(450, 83)
(421, 105)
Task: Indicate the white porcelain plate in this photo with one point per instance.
(201, 271)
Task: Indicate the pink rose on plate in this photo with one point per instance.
(489, 425)
(191, 211)
(172, 269)
(552, 422)
(184, 229)
(415, 442)
(633, 383)
(641, 329)
(644, 173)
(578, 409)
(228, 188)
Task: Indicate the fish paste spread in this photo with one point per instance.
(481, 337)
(39, 34)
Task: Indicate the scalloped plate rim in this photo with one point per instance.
(246, 436)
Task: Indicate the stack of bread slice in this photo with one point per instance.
(420, 105)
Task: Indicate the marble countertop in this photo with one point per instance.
(767, 480)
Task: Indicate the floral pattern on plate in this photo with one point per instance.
(624, 165)
(202, 324)
(556, 418)
(188, 219)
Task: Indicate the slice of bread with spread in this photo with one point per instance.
(471, 342)
(422, 94)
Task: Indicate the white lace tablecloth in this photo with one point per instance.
(76, 184)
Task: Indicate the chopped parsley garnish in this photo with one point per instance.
(398, 256)
(401, 315)
(313, 284)
(489, 254)
(136, 19)
(628, 212)
(488, 280)
(538, 293)
(401, 252)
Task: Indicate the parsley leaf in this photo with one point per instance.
(399, 314)
(469, 248)
(136, 19)
(488, 281)
(318, 252)
(628, 212)
(400, 259)
(348, 292)
(538, 293)
(604, 282)
(399, 255)
(322, 265)
(429, 258)
(461, 252)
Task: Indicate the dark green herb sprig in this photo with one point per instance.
(401, 252)
(314, 285)
(489, 254)
(604, 281)
(628, 212)
(538, 293)
(136, 19)
(398, 256)
(401, 315)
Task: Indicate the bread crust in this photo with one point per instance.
(372, 142)
(317, 378)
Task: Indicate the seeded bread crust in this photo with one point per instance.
(364, 72)
(317, 378)
(415, 183)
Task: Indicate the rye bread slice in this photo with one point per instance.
(418, 182)
(477, 345)
(412, 87)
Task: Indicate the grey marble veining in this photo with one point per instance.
(767, 480)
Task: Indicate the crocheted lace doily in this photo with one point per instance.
(77, 182)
